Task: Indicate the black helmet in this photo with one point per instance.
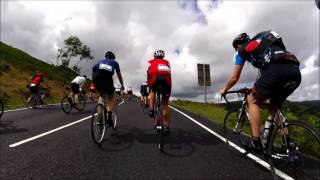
(159, 54)
(109, 55)
(240, 39)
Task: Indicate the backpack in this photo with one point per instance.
(263, 49)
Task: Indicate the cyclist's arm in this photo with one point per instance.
(120, 78)
(234, 77)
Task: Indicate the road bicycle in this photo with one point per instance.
(67, 102)
(1, 108)
(144, 104)
(39, 99)
(99, 123)
(158, 118)
(290, 146)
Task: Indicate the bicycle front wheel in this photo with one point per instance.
(1, 108)
(98, 124)
(237, 127)
(66, 104)
(298, 153)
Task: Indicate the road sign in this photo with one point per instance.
(204, 78)
(204, 75)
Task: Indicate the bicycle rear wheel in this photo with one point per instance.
(82, 103)
(98, 124)
(66, 104)
(298, 154)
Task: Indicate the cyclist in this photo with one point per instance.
(77, 86)
(144, 90)
(279, 75)
(118, 90)
(102, 73)
(35, 85)
(129, 92)
(159, 74)
(92, 90)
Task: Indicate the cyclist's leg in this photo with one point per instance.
(165, 103)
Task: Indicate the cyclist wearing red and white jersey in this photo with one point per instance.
(35, 85)
(92, 90)
(159, 74)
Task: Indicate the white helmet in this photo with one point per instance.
(159, 54)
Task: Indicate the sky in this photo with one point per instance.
(189, 31)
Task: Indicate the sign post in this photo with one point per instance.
(204, 78)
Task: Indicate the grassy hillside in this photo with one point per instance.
(308, 110)
(16, 70)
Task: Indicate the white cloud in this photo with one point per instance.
(201, 30)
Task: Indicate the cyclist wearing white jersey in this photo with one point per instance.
(76, 86)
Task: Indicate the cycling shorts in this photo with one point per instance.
(75, 88)
(130, 92)
(277, 82)
(144, 92)
(103, 82)
(156, 81)
(33, 89)
(93, 90)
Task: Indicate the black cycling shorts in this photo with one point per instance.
(163, 82)
(103, 82)
(130, 92)
(144, 92)
(277, 82)
(33, 90)
(75, 88)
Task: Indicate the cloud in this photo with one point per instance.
(190, 32)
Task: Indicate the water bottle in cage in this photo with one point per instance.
(267, 126)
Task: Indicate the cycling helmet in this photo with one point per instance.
(240, 39)
(109, 55)
(159, 54)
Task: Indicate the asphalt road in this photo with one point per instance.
(131, 152)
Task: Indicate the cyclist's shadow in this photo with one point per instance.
(7, 127)
(178, 144)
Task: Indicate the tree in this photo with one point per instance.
(73, 48)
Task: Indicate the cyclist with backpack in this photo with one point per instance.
(279, 75)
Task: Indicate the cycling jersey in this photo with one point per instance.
(107, 65)
(79, 80)
(159, 74)
(102, 73)
(37, 80)
(92, 86)
(144, 89)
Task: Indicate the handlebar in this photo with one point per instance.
(245, 91)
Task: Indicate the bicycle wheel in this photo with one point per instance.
(98, 124)
(237, 127)
(298, 154)
(82, 103)
(1, 108)
(159, 124)
(114, 117)
(66, 104)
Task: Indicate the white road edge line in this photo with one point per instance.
(48, 132)
(51, 131)
(10, 110)
(251, 156)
